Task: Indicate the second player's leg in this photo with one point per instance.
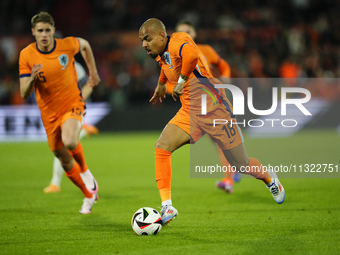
(70, 137)
(58, 170)
(64, 157)
(72, 171)
(70, 133)
(227, 183)
(238, 158)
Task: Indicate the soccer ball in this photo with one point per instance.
(146, 221)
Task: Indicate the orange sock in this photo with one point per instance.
(74, 175)
(228, 180)
(163, 173)
(256, 170)
(78, 155)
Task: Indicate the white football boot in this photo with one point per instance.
(275, 187)
(89, 181)
(88, 204)
(168, 213)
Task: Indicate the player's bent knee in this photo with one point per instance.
(164, 145)
(70, 144)
(161, 145)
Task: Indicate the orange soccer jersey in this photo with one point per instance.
(213, 60)
(195, 67)
(56, 87)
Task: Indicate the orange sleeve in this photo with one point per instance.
(162, 78)
(189, 55)
(24, 69)
(224, 68)
(73, 43)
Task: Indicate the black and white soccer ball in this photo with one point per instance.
(146, 221)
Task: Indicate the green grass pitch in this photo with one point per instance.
(209, 221)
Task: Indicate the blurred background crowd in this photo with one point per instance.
(258, 38)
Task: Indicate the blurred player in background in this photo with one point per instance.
(213, 60)
(86, 130)
(47, 66)
(183, 64)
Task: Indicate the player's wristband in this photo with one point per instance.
(181, 80)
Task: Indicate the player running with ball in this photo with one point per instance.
(183, 64)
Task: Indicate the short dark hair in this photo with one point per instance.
(185, 22)
(42, 17)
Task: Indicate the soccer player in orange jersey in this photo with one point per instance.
(47, 66)
(213, 60)
(86, 130)
(183, 64)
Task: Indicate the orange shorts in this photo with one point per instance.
(53, 129)
(182, 120)
(227, 136)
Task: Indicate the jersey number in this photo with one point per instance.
(230, 130)
(41, 77)
(76, 111)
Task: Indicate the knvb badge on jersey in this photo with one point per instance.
(63, 60)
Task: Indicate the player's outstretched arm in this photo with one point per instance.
(27, 83)
(159, 93)
(86, 52)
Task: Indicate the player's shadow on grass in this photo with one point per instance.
(98, 223)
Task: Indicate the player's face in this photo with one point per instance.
(153, 43)
(187, 29)
(43, 33)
